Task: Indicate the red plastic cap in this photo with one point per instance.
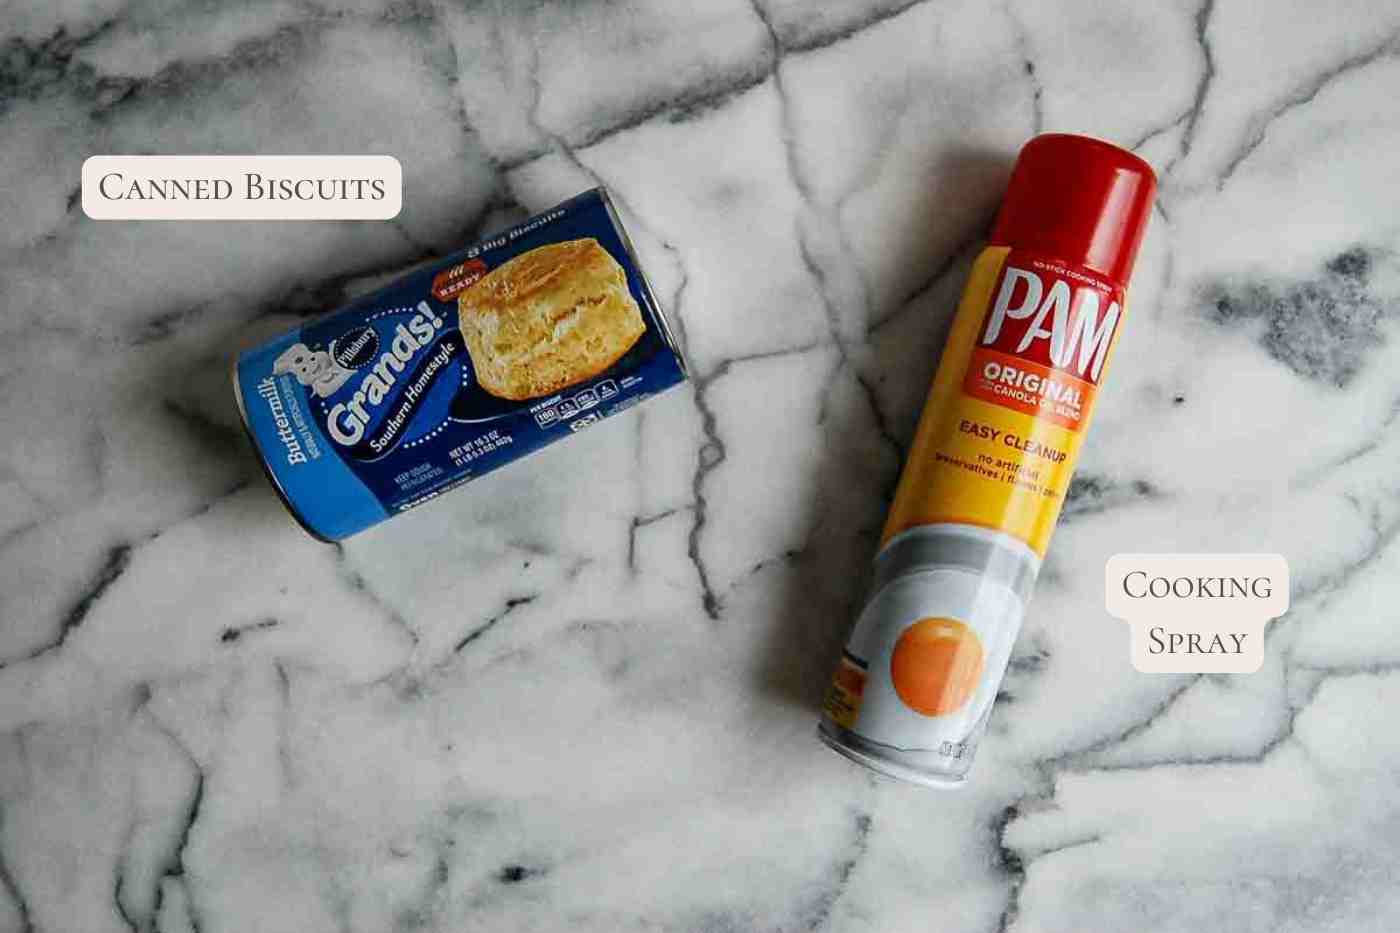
(1078, 199)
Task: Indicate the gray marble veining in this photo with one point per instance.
(580, 694)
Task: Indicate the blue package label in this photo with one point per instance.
(456, 369)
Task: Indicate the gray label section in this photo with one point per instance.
(1001, 558)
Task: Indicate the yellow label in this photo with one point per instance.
(847, 690)
(1000, 433)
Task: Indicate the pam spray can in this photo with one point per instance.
(991, 462)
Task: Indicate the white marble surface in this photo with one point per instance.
(579, 695)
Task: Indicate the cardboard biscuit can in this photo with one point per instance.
(457, 369)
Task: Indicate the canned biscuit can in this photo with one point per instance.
(991, 462)
(457, 369)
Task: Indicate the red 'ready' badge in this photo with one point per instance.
(449, 283)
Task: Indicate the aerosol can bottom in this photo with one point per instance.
(919, 675)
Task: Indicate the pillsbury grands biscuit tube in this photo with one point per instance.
(456, 369)
(991, 462)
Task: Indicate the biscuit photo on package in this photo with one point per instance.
(458, 368)
(549, 319)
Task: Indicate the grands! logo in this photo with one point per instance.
(1045, 339)
(382, 384)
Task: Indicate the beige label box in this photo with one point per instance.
(1197, 613)
(251, 187)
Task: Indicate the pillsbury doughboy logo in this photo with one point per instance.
(315, 369)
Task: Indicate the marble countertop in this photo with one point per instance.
(581, 694)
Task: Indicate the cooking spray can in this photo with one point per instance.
(991, 462)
